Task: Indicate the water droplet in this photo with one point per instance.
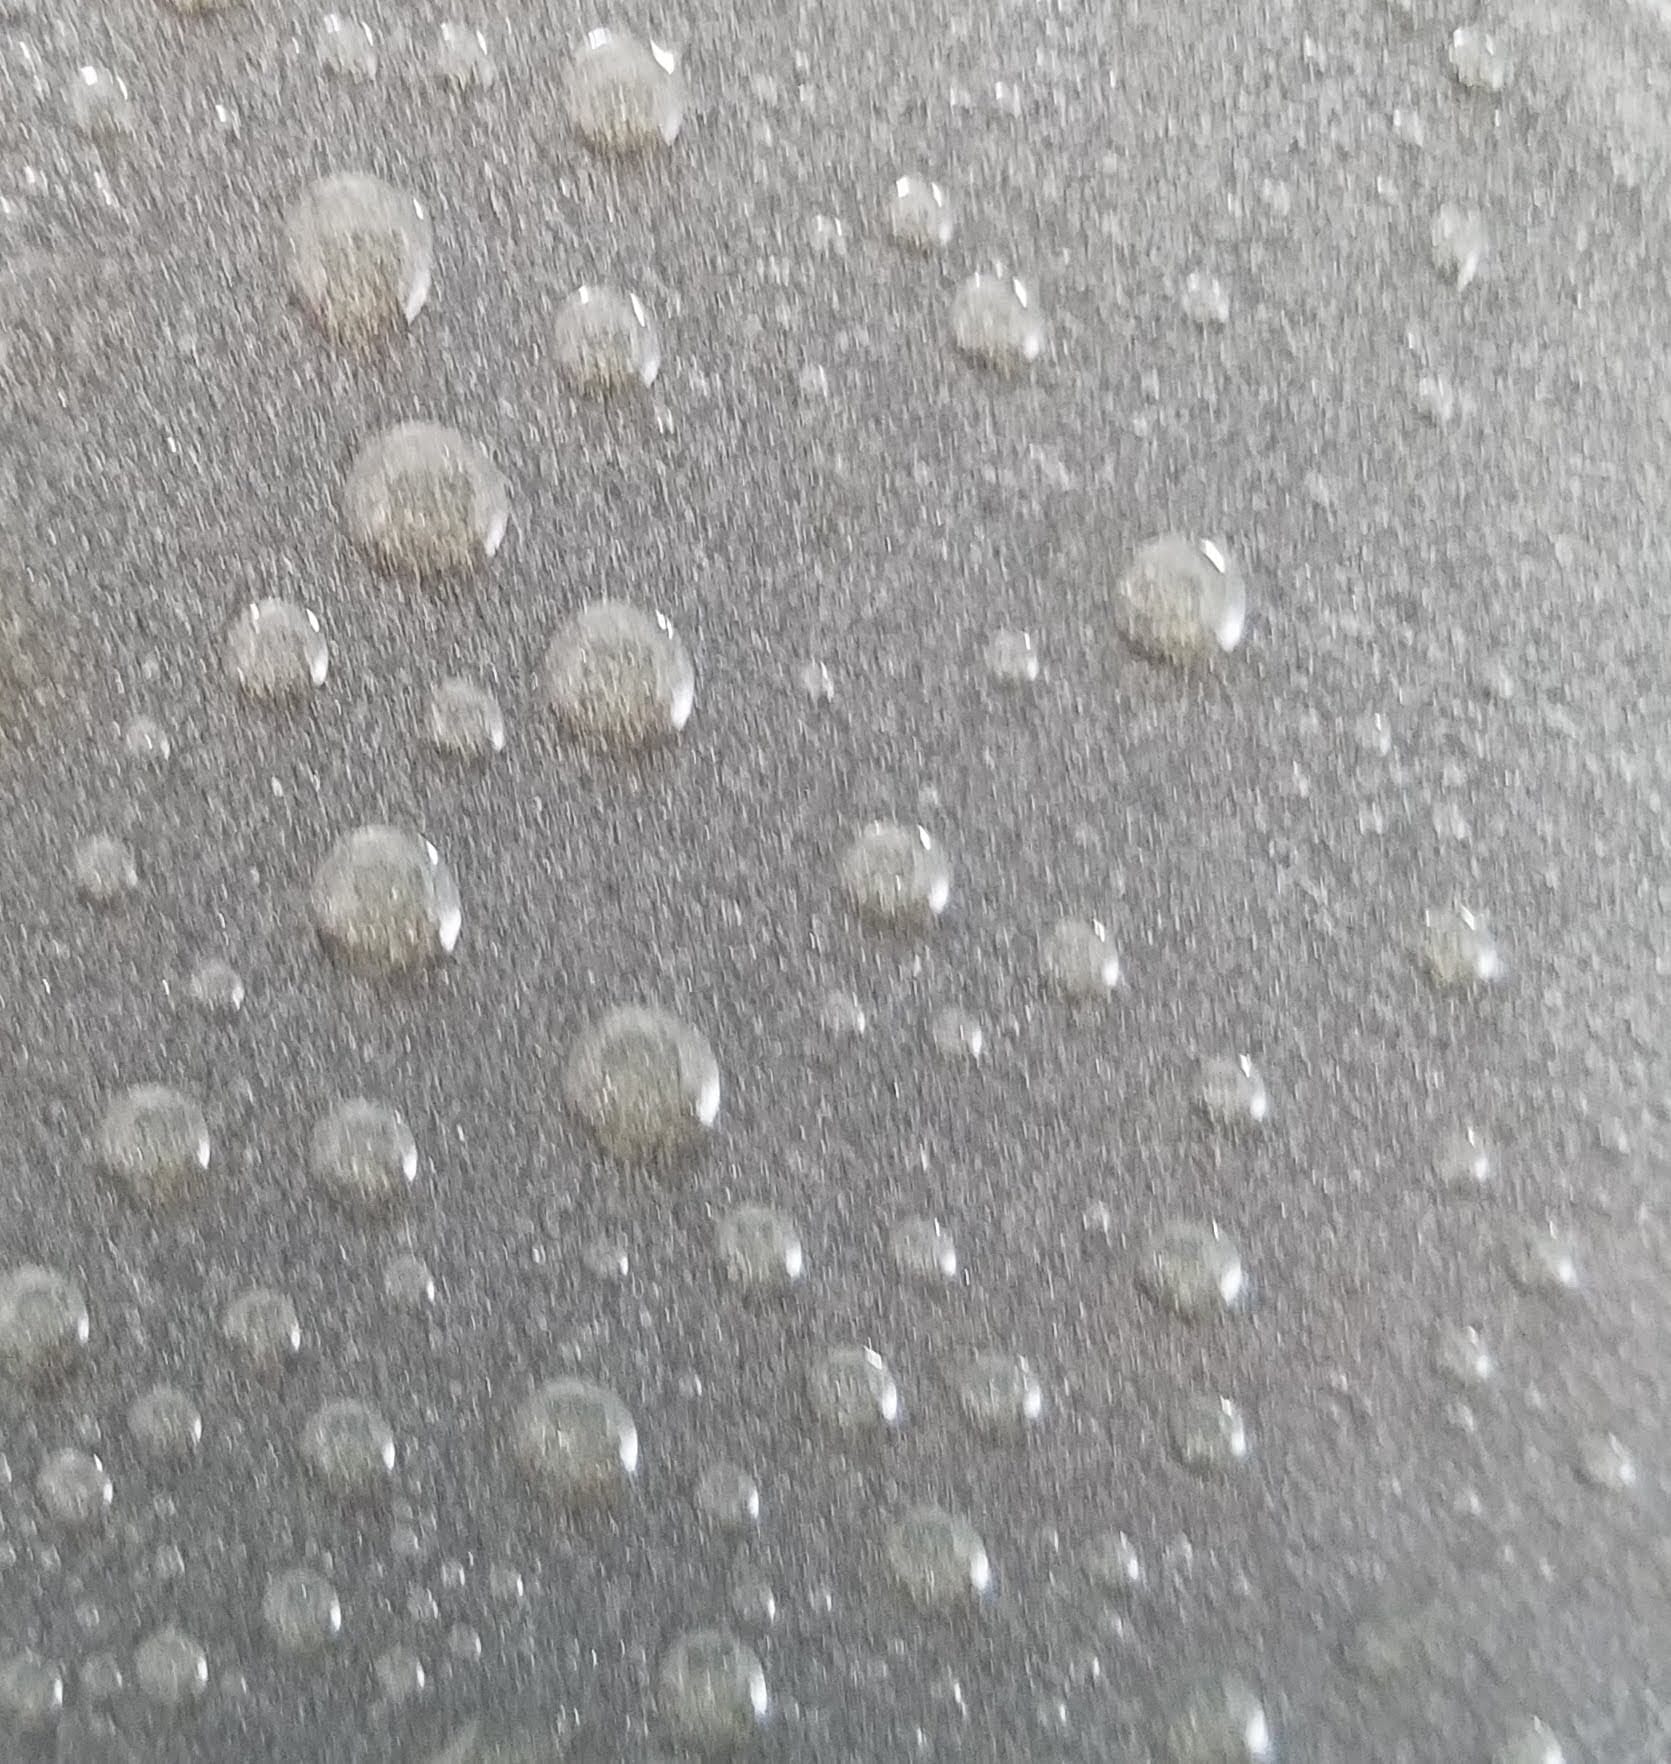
(464, 62)
(1230, 1092)
(896, 877)
(31, 1692)
(624, 96)
(43, 1324)
(1012, 658)
(105, 871)
(465, 720)
(1605, 1462)
(1408, 127)
(999, 1393)
(1478, 60)
(217, 988)
(1205, 300)
(1530, 1742)
(1181, 601)
(853, 1391)
(171, 1668)
(924, 1250)
(644, 1082)
(1113, 1562)
(301, 1611)
(1459, 244)
(166, 1424)
(1463, 1357)
(276, 652)
(154, 1141)
(408, 1283)
(263, 1328)
(713, 1694)
(385, 901)
(74, 1489)
(920, 216)
(1459, 950)
(1209, 1434)
(576, 1441)
(101, 1677)
(359, 254)
(364, 1156)
(1465, 1160)
(1219, 1721)
(604, 341)
(147, 740)
(400, 1675)
(1078, 960)
(938, 1558)
(423, 500)
(99, 104)
(345, 48)
(464, 1643)
(619, 677)
(753, 1602)
(957, 1035)
(729, 1496)
(1194, 1270)
(760, 1248)
(349, 1446)
(995, 323)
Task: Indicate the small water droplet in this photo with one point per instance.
(576, 1441)
(262, 1327)
(465, 720)
(463, 60)
(74, 1489)
(604, 341)
(349, 1446)
(1459, 950)
(1465, 1160)
(645, 1083)
(1605, 1462)
(105, 870)
(1460, 244)
(938, 1559)
(363, 1155)
(895, 876)
(729, 1496)
(1113, 1562)
(345, 48)
(217, 988)
(154, 1142)
(853, 1391)
(957, 1035)
(31, 1692)
(760, 1248)
(400, 1675)
(359, 255)
(145, 739)
(1078, 960)
(171, 1668)
(995, 323)
(43, 1324)
(1478, 60)
(1012, 658)
(624, 96)
(1181, 601)
(1542, 1260)
(408, 1283)
(1206, 301)
(385, 901)
(100, 107)
(1209, 1434)
(423, 500)
(1194, 1270)
(1463, 1356)
(1000, 1393)
(713, 1693)
(166, 1424)
(1219, 1720)
(920, 215)
(276, 652)
(301, 1611)
(924, 1250)
(619, 677)
(1230, 1092)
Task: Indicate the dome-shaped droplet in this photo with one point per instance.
(463, 59)
(1181, 600)
(1205, 300)
(1194, 1270)
(1012, 658)
(760, 1249)
(363, 1156)
(1543, 1259)
(576, 1441)
(301, 1611)
(853, 1391)
(728, 1496)
(938, 1559)
(713, 1694)
(154, 1141)
(1460, 243)
(1078, 960)
(1459, 949)
(261, 1326)
(75, 1489)
(1605, 1462)
(995, 323)
(276, 652)
(999, 1392)
(359, 254)
(605, 341)
(924, 1250)
(619, 677)
(465, 720)
(171, 1668)
(644, 1082)
(165, 1424)
(345, 48)
(624, 96)
(43, 1324)
(1231, 1093)
(1209, 1434)
(1218, 1721)
(423, 500)
(385, 901)
(895, 876)
(31, 1693)
(1530, 1741)
(1478, 60)
(105, 870)
(217, 988)
(920, 215)
(99, 104)
(349, 1446)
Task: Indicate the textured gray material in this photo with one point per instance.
(1253, 234)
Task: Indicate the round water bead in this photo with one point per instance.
(1078, 960)
(31, 1692)
(349, 1446)
(364, 1157)
(263, 1328)
(465, 720)
(760, 1249)
(713, 1694)
(1230, 1092)
(43, 1324)
(359, 255)
(995, 323)
(1209, 1434)
(604, 341)
(276, 652)
(645, 1083)
(1194, 1270)
(999, 1393)
(385, 901)
(74, 1489)
(938, 1559)
(423, 500)
(619, 677)
(154, 1142)
(1181, 600)
(1459, 951)
(171, 1668)
(895, 876)
(576, 1441)
(301, 1611)
(165, 1424)
(920, 215)
(853, 1391)
(623, 96)
(1218, 1720)
(105, 871)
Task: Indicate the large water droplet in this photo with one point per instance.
(276, 652)
(154, 1141)
(1219, 1720)
(1478, 60)
(646, 1083)
(853, 1391)
(999, 1393)
(1459, 950)
(100, 107)
(465, 720)
(74, 1489)
(105, 871)
(171, 1668)
(262, 1327)
(1459, 243)
(384, 900)
(760, 1248)
(301, 1611)
(576, 1441)
(619, 677)
(1209, 1434)
(31, 1692)
(349, 1446)
(359, 254)
(938, 1558)
(1230, 1092)
(43, 1324)
(166, 1424)
(605, 341)
(423, 500)
(1078, 960)
(364, 1156)
(896, 877)
(995, 323)
(1181, 600)
(713, 1694)
(1194, 1270)
(624, 96)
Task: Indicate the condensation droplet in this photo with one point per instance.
(938, 1559)
(895, 876)
(1230, 1092)
(619, 677)
(1012, 658)
(31, 1692)
(624, 96)
(171, 1668)
(385, 901)
(1478, 60)
(577, 1442)
(1194, 1270)
(276, 653)
(1459, 242)
(359, 255)
(604, 341)
(165, 1424)
(105, 871)
(262, 1327)
(400, 1675)
(1209, 1434)
(345, 48)
(1078, 960)
(760, 1248)
(154, 1142)
(1113, 1562)
(74, 1489)
(100, 107)
(465, 720)
(995, 323)
(301, 1611)
(1605, 1462)
(363, 1155)
(1463, 1356)
(924, 1250)
(146, 739)
(999, 1393)
(1530, 1742)
(713, 1693)
(853, 1391)
(1465, 1160)
(645, 1083)
(463, 59)
(957, 1035)
(920, 215)
(426, 501)
(1205, 300)
(349, 1446)
(408, 1283)
(43, 1324)
(729, 1496)
(1459, 950)
(1181, 601)
(217, 988)
(1218, 1720)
